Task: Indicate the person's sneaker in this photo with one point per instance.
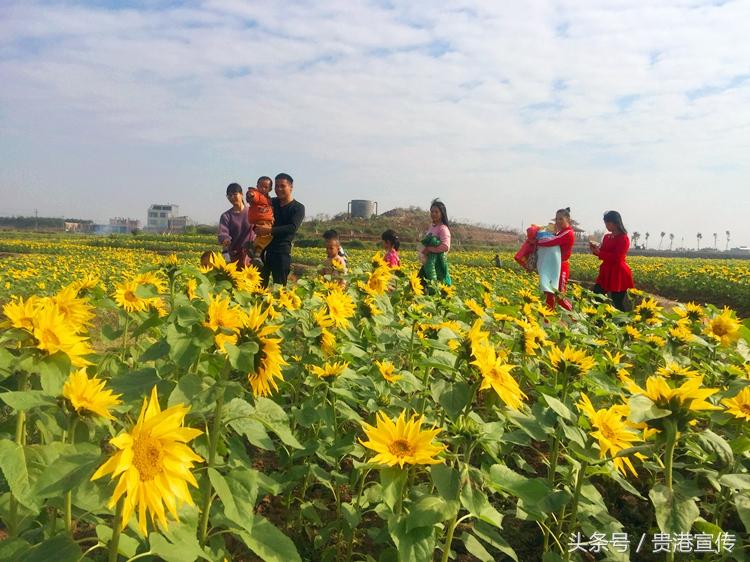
(257, 262)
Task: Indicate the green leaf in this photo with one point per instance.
(446, 479)
(643, 409)
(242, 357)
(13, 465)
(428, 511)
(393, 481)
(742, 503)
(13, 549)
(273, 417)
(351, 515)
(475, 502)
(268, 542)
(529, 425)
(493, 538)
(127, 546)
(475, 548)
(716, 445)
(187, 316)
(238, 493)
(60, 548)
(417, 545)
(135, 385)
(27, 399)
(559, 408)
(74, 466)
(53, 371)
(179, 542)
(736, 481)
(440, 360)
(674, 513)
(181, 348)
(238, 415)
(536, 497)
(453, 397)
(156, 351)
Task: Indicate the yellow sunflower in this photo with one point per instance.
(473, 305)
(612, 431)
(401, 442)
(126, 298)
(496, 375)
(340, 307)
(387, 370)
(20, 313)
(691, 312)
(77, 311)
(328, 369)
(54, 334)
(724, 328)
(571, 358)
(739, 405)
(268, 360)
(89, 395)
(672, 369)
(416, 284)
(153, 464)
(224, 319)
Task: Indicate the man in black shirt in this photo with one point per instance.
(288, 215)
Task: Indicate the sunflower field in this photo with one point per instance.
(155, 410)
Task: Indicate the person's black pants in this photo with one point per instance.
(618, 298)
(276, 265)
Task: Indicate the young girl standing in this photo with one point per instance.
(615, 276)
(391, 245)
(565, 238)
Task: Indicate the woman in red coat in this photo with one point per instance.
(615, 276)
(565, 238)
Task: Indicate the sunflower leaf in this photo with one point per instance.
(13, 465)
(674, 513)
(238, 492)
(26, 399)
(268, 542)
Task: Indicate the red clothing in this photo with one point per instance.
(565, 239)
(260, 207)
(614, 274)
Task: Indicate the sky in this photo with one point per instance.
(505, 110)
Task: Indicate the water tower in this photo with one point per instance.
(362, 208)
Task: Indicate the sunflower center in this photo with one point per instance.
(130, 296)
(745, 409)
(147, 457)
(400, 448)
(608, 432)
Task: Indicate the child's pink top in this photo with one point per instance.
(391, 258)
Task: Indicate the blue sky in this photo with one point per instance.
(505, 110)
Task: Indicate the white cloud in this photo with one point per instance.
(506, 110)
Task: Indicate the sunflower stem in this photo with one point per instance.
(23, 383)
(70, 438)
(574, 507)
(212, 446)
(670, 431)
(114, 542)
(125, 337)
(454, 520)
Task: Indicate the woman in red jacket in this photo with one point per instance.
(615, 276)
(565, 238)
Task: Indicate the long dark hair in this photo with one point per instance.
(615, 218)
(443, 212)
(564, 212)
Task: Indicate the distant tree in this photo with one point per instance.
(645, 240)
(671, 240)
(699, 237)
(662, 234)
(636, 237)
(716, 236)
(727, 233)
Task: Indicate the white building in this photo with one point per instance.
(165, 218)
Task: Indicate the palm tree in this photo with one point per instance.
(645, 238)
(698, 237)
(636, 236)
(715, 237)
(727, 233)
(671, 239)
(662, 234)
